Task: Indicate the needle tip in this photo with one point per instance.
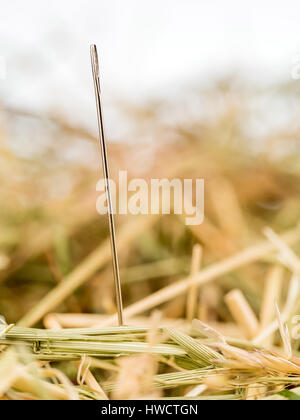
(94, 58)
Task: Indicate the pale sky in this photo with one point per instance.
(148, 48)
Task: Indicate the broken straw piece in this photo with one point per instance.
(242, 312)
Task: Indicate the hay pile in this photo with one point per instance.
(237, 274)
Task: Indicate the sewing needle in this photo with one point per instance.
(116, 271)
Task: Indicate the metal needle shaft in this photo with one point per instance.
(116, 271)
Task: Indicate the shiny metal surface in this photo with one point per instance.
(116, 271)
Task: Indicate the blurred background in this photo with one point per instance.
(192, 88)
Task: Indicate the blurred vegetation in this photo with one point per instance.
(244, 141)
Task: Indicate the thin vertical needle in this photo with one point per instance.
(96, 77)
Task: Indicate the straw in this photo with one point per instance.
(247, 256)
(242, 312)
